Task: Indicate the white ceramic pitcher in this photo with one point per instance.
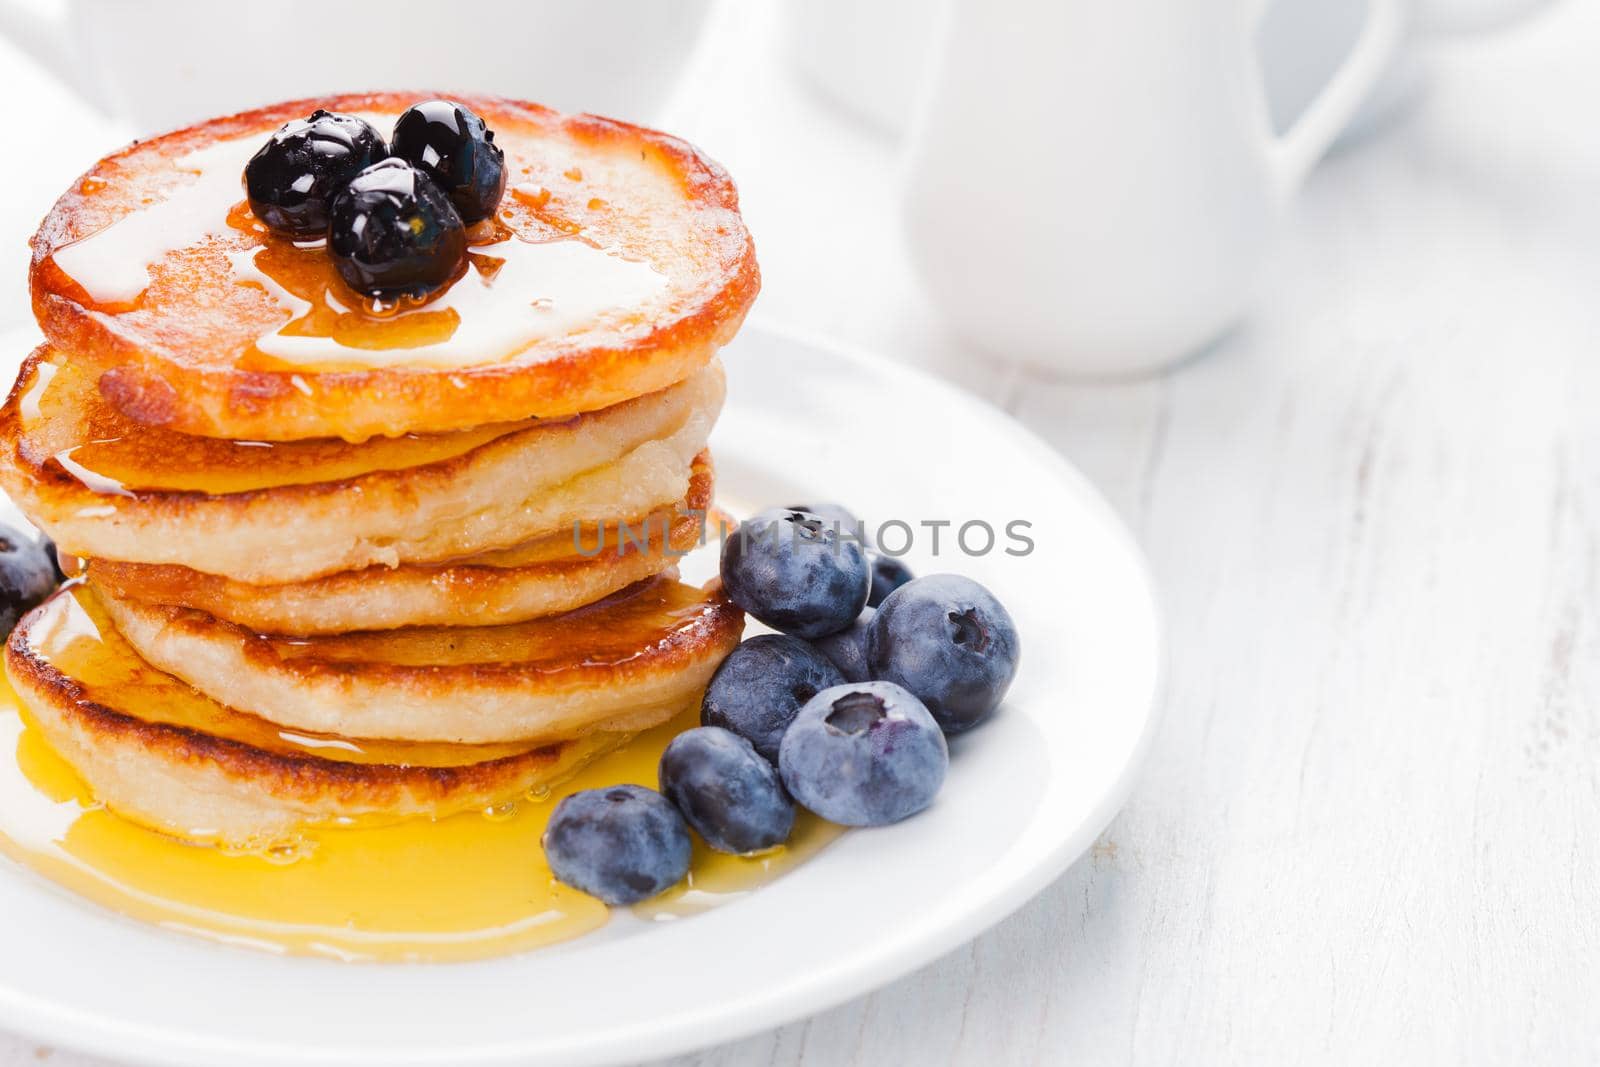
(1092, 187)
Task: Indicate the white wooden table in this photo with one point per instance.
(1369, 830)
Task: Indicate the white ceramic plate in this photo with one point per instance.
(1027, 793)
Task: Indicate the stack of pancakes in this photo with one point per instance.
(424, 562)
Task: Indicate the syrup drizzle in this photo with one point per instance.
(465, 887)
(514, 294)
(113, 456)
(474, 885)
(462, 887)
(113, 265)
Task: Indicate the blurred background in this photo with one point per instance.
(1088, 193)
(995, 187)
(1306, 287)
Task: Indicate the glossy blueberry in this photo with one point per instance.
(888, 574)
(622, 844)
(726, 791)
(292, 180)
(792, 571)
(847, 649)
(393, 233)
(458, 151)
(949, 641)
(27, 573)
(760, 686)
(864, 754)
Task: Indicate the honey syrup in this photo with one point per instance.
(533, 274)
(64, 418)
(461, 886)
(511, 293)
(75, 635)
(465, 887)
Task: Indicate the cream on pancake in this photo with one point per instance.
(619, 463)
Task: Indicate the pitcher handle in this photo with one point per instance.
(40, 30)
(1298, 149)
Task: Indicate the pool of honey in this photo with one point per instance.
(460, 887)
(464, 887)
(304, 276)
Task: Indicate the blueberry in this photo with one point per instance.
(847, 649)
(760, 686)
(292, 180)
(622, 844)
(792, 571)
(888, 574)
(393, 233)
(726, 791)
(864, 754)
(457, 150)
(948, 640)
(27, 573)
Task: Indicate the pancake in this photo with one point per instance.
(62, 416)
(94, 481)
(156, 752)
(616, 265)
(624, 663)
(545, 577)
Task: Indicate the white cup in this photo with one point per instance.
(165, 63)
(1092, 187)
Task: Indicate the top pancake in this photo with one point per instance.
(616, 265)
